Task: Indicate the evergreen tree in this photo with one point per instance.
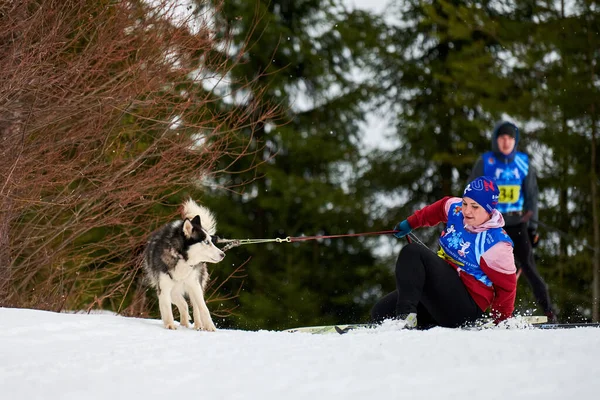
(458, 66)
(560, 64)
(302, 178)
(448, 85)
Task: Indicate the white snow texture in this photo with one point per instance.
(49, 356)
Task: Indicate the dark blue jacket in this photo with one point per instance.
(530, 187)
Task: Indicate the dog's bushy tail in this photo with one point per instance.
(207, 219)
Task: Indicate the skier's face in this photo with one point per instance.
(506, 144)
(473, 213)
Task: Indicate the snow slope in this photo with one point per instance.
(50, 356)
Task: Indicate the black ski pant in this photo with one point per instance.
(524, 257)
(428, 286)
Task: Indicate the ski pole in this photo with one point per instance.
(563, 234)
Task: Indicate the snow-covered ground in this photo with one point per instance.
(50, 356)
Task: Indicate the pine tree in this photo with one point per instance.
(448, 85)
(560, 60)
(302, 178)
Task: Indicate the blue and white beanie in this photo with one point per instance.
(484, 191)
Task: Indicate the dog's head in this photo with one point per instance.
(200, 246)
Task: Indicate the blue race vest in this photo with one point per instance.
(464, 248)
(509, 177)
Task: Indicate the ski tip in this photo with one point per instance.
(339, 330)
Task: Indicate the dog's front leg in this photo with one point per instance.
(165, 286)
(202, 319)
(182, 305)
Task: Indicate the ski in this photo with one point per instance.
(568, 325)
(323, 329)
(341, 329)
(534, 321)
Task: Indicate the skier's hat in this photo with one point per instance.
(484, 191)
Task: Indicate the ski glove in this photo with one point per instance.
(403, 229)
(534, 238)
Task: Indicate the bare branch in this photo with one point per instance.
(105, 118)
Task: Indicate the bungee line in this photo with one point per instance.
(230, 243)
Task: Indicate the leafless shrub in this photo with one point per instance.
(104, 118)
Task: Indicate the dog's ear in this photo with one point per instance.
(196, 221)
(187, 228)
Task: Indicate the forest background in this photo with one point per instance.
(114, 112)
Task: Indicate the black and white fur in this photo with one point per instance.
(175, 264)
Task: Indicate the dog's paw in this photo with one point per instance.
(170, 325)
(211, 327)
(208, 327)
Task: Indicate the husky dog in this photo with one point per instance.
(175, 264)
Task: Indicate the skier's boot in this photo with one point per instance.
(409, 320)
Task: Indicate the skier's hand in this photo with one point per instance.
(403, 228)
(534, 237)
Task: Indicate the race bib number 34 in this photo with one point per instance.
(509, 193)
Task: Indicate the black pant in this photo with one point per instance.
(524, 258)
(427, 285)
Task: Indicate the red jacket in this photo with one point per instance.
(497, 263)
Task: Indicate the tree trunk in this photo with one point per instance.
(595, 223)
(592, 46)
(564, 224)
(563, 195)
